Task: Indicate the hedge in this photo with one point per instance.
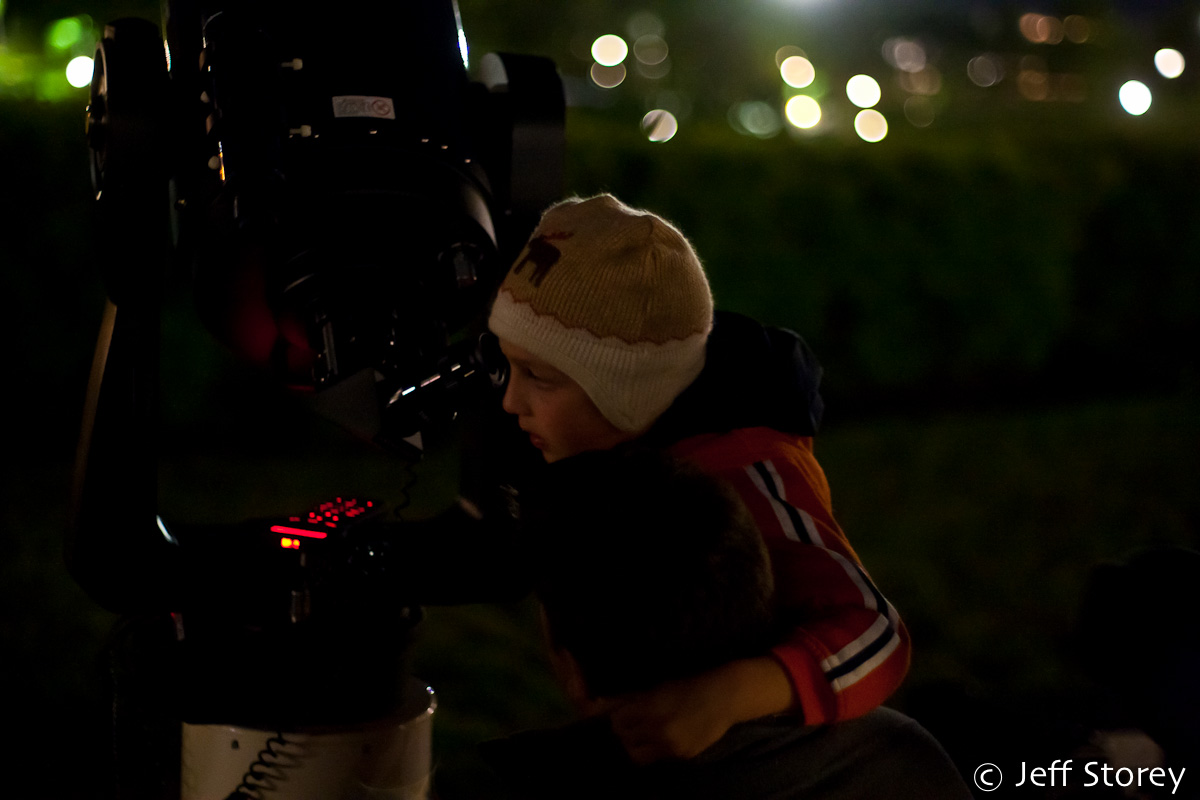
(936, 265)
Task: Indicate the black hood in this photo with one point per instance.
(754, 376)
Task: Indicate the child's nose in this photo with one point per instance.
(514, 397)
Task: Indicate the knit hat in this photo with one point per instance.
(616, 299)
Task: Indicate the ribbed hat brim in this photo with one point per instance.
(630, 383)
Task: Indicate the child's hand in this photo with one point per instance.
(681, 719)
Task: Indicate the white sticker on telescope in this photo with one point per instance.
(357, 105)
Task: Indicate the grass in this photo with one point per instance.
(983, 528)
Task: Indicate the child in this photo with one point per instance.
(650, 571)
(607, 321)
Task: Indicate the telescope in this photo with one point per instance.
(341, 195)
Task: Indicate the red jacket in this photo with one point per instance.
(848, 650)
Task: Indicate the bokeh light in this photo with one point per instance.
(607, 77)
(919, 111)
(756, 118)
(906, 55)
(1034, 84)
(1041, 28)
(13, 69)
(797, 72)
(985, 70)
(79, 71)
(64, 34)
(1169, 62)
(1135, 97)
(926, 82)
(650, 49)
(1050, 29)
(659, 125)
(802, 111)
(1077, 28)
(51, 85)
(1028, 25)
(609, 50)
(870, 125)
(863, 91)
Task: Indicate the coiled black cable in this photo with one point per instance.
(258, 771)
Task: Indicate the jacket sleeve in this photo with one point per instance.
(845, 649)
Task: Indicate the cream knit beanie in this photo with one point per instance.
(616, 299)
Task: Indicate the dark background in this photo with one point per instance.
(1005, 302)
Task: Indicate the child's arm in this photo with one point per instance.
(847, 650)
(681, 719)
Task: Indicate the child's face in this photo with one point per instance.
(553, 409)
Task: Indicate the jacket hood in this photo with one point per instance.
(754, 376)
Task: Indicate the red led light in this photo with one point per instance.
(324, 515)
(298, 531)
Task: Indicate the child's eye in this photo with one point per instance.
(538, 375)
(545, 379)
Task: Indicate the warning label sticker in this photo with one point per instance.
(357, 105)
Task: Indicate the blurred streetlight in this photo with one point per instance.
(797, 72)
(863, 91)
(1169, 62)
(660, 125)
(870, 125)
(802, 111)
(1135, 98)
(79, 71)
(609, 50)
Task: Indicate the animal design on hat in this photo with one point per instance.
(543, 254)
